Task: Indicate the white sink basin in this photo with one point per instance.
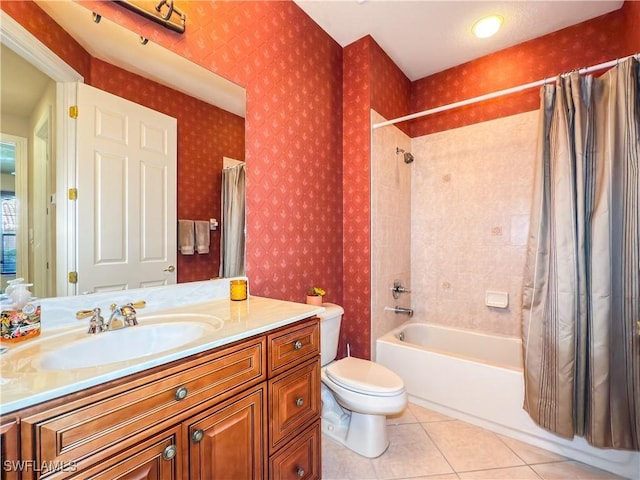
(131, 342)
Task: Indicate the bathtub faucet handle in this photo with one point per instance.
(397, 289)
(402, 310)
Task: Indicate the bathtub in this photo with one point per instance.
(478, 378)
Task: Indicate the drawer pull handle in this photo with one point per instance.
(197, 436)
(169, 453)
(299, 401)
(300, 472)
(297, 345)
(181, 393)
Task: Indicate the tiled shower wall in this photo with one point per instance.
(390, 226)
(471, 190)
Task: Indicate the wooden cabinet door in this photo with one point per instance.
(157, 458)
(229, 441)
(9, 451)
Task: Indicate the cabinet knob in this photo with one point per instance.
(197, 436)
(300, 472)
(297, 345)
(181, 393)
(169, 453)
(299, 401)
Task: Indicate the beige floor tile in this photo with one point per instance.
(340, 463)
(425, 415)
(467, 447)
(531, 454)
(406, 416)
(571, 470)
(411, 454)
(511, 473)
(448, 476)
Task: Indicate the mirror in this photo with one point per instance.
(200, 100)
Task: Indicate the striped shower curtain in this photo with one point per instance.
(581, 297)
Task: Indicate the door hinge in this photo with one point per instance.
(73, 194)
(73, 111)
(73, 277)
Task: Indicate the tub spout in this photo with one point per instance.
(402, 310)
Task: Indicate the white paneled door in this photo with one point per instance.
(127, 164)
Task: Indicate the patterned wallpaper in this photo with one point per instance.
(631, 10)
(370, 80)
(390, 88)
(588, 43)
(205, 135)
(356, 325)
(39, 24)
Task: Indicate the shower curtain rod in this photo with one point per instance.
(500, 93)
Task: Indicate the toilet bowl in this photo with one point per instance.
(357, 394)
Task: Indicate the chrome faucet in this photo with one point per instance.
(123, 314)
(397, 289)
(96, 324)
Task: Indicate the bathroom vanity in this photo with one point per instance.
(241, 402)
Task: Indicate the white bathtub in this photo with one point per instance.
(478, 378)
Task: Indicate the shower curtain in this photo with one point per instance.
(232, 226)
(581, 297)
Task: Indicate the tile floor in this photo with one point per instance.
(428, 445)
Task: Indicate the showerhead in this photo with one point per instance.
(408, 156)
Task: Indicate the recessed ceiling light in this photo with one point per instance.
(487, 26)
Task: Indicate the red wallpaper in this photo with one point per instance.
(390, 88)
(39, 24)
(588, 43)
(356, 326)
(632, 16)
(370, 80)
(205, 135)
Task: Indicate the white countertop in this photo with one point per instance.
(24, 383)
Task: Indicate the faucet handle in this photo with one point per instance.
(128, 311)
(139, 304)
(80, 314)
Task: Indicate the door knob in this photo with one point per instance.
(170, 269)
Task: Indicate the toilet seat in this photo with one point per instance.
(363, 376)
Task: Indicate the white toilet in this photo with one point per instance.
(356, 394)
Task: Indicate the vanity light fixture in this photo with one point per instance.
(487, 26)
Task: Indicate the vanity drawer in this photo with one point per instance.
(103, 420)
(294, 402)
(293, 345)
(300, 459)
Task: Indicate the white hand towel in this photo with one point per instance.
(186, 237)
(203, 235)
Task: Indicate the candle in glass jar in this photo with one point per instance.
(238, 290)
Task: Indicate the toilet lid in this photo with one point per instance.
(364, 376)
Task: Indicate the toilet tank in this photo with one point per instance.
(329, 332)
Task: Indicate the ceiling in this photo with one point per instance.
(423, 37)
